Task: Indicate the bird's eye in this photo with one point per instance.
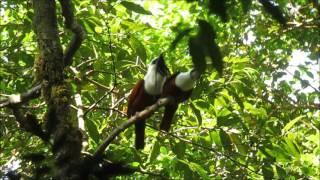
(153, 62)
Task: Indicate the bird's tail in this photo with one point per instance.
(140, 132)
(168, 116)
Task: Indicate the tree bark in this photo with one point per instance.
(66, 136)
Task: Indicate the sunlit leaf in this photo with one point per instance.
(98, 29)
(196, 113)
(290, 124)
(154, 152)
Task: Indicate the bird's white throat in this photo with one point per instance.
(184, 81)
(153, 81)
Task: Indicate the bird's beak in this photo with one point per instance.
(161, 66)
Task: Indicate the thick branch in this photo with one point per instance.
(16, 99)
(75, 27)
(147, 112)
(30, 123)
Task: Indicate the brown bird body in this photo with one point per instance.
(139, 99)
(179, 86)
(145, 93)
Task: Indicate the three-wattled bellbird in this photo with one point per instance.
(179, 86)
(145, 93)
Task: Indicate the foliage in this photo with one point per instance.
(251, 122)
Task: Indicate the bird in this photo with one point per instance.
(179, 86)
(145, 93)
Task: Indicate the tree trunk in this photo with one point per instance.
(66, 136)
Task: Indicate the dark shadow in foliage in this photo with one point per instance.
(274, 11)
(91, 167)
(35, 157)
(197, 54)
(246, 5)
(32, 125)
(12, 175)
(41, 169)
(203, 45)
(179, 37)
(219, 8)
(109, 169)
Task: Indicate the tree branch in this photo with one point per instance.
(147, 112)
(75, 27)
(16, 99)
(97, 102)
(30, 123)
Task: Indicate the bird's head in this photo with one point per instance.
(160, 66)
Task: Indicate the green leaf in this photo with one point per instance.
(196, 168)
(135, 164)
(304, 83)
(281, 172)
(139, 48)
(163, 150)
(228, 121)
(225, 140)
(278, 75)
(236, 97)
(135, 8)
(154, 152)
(21, 63)
(216, 138)
(179, 149)
(196, 113)
(93, 131)
(291, 123)
(98, 29)
(267, 172)
(297, 74)
(310, 74)
(201, 105)
(246, 5)
(291, 146)
(237, 141)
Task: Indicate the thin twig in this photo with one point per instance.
(209, 149)
(97, 102)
